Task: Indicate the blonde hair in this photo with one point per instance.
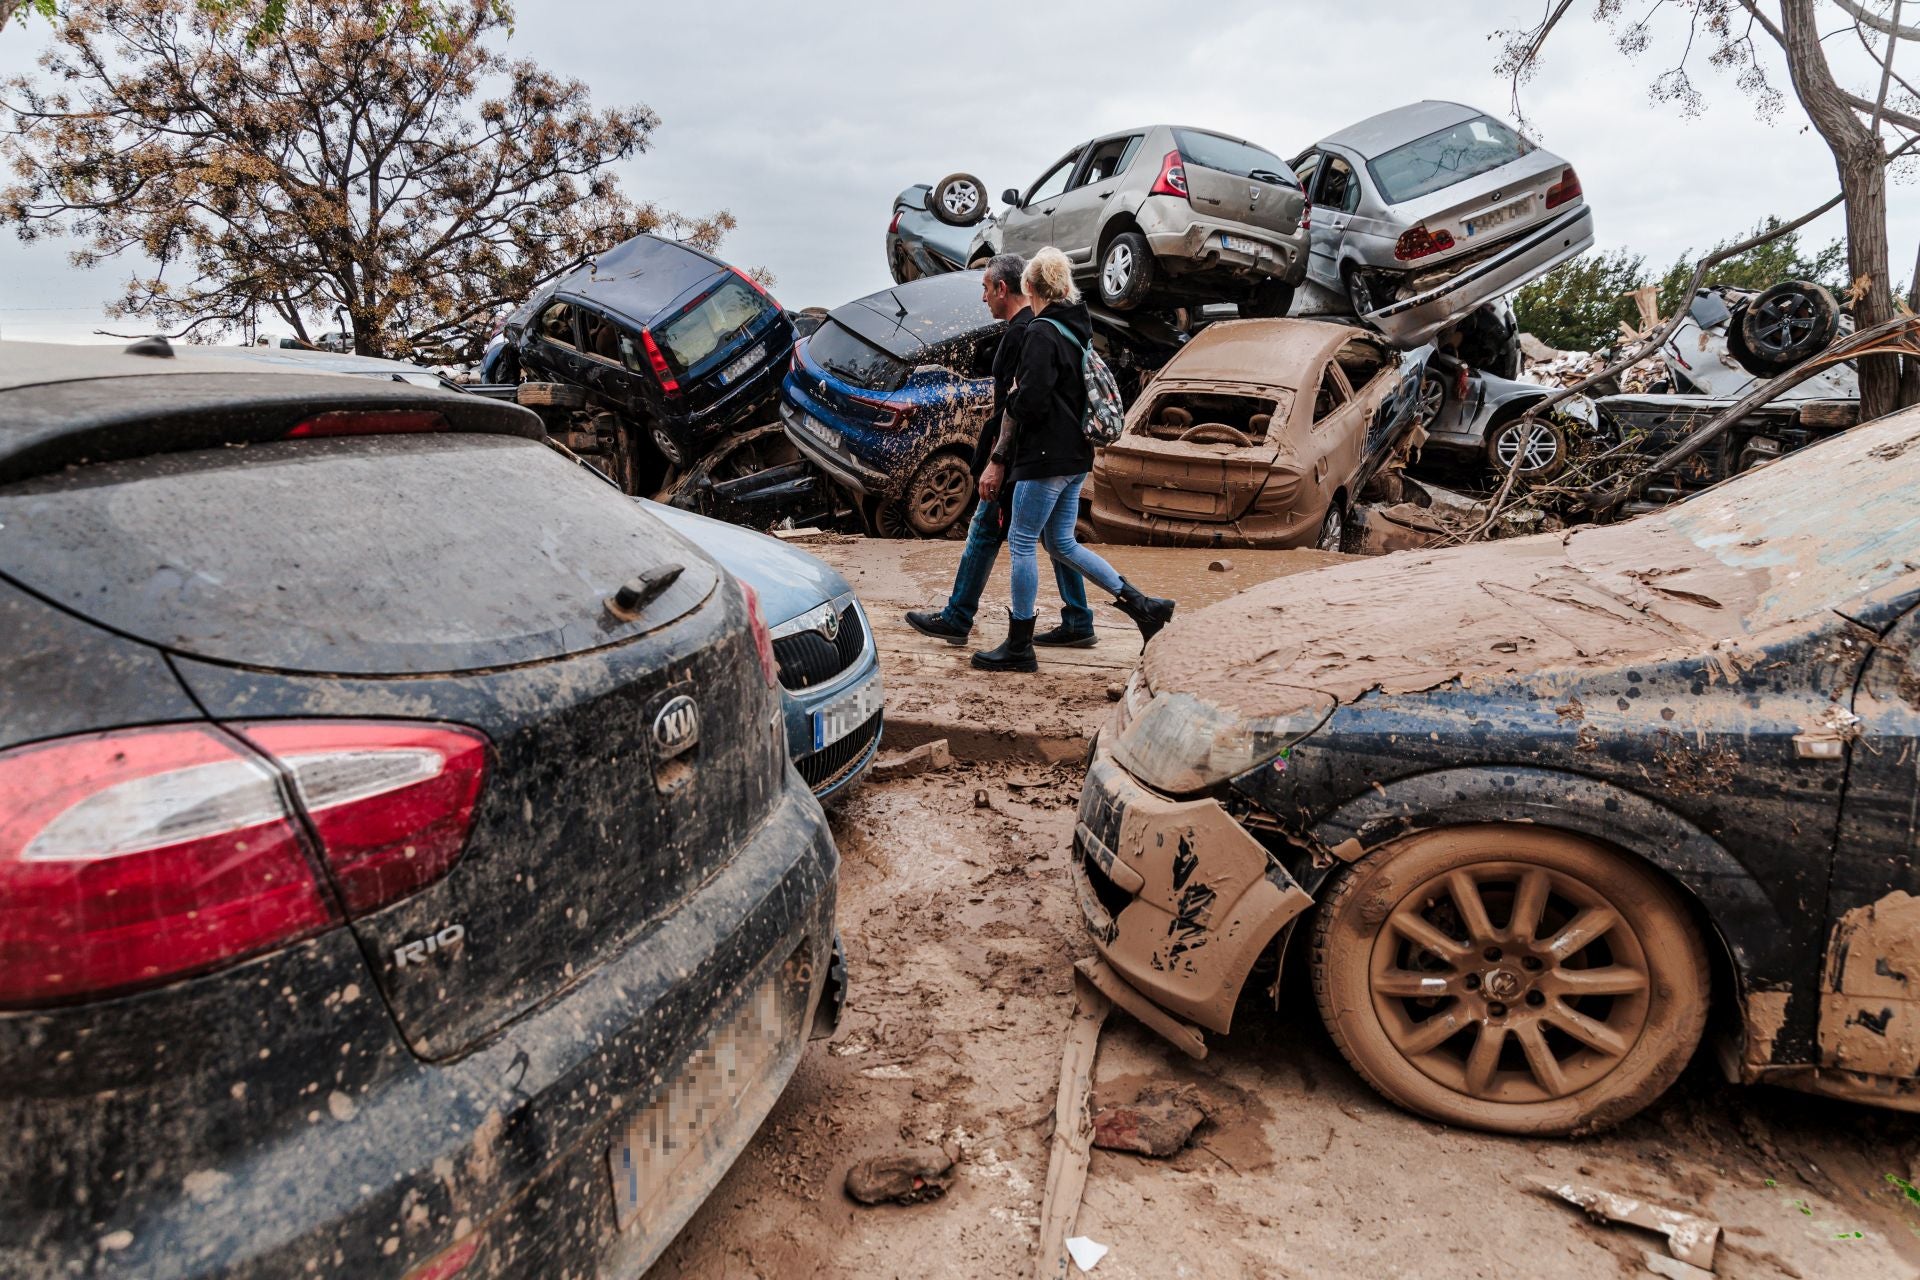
(1049, 277)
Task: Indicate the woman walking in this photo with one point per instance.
(1044, 453)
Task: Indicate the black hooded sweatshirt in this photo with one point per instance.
(1050, 398)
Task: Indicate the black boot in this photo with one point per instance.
(1015, 654)
(1063, 637)
(934, 623)
(1149, 613)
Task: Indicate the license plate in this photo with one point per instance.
(845, 714)
(1506, 213)
(743, 366)
(696, 1106)
(1238, 244)
(820, 431)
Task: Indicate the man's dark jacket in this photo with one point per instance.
(1006, 363)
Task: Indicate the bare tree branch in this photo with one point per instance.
(1885, 26)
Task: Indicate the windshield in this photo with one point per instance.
(853, 359)
(1447, 156)
(711, 323)
(1241, 159)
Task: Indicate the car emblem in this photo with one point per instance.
(830, 624)
(1495, 197)
(1253, 195)
(677, 727)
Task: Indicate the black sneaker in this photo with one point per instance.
(1061, 638)
(935, 624)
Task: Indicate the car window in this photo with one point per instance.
(1339, 186)
(1305, 167)
(599, 336)
(1108, 159)
(556, 324)
(1362, 361)
(1444, 157)
(1054, 183)
(1227, 155)
(712, 322)
(1332, 394)
(853, 359)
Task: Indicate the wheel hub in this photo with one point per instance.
(1503, 984)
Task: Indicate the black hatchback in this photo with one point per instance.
(676, 342)
(401, 871)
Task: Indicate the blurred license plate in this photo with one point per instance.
(743, 366)
(845, 714)
(1238, 245)
(695, 1107)
(1506, 213)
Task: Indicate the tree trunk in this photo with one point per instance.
(1910, 367)
(1861, 164)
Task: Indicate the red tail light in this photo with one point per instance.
(1306, 213)
(661, 369)
(391, 803)
(762, 640)
(1568, 188)
(894, 226)
(371, 422)
(1173, 177)
(757, 286)
(892, 416)
(1418, 242)
(134, 857)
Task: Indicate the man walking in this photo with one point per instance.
(1000, 289)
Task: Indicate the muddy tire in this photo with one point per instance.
(959, 200)
(936, 497)
(1541, 446)
(1510, 977)
(554, 395)
(1126, 271)
(1270, 300)
(1361, 296)
(1789, 323)
(1337, 533)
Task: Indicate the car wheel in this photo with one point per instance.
(1333, 530)
(959, 200)
(1789, 323)
(1540, 445)
(1126, 271)
(1360, 294)
(1270, 300)
(938, 494)
(1433, 398)
(670, 448)
(1510, 977)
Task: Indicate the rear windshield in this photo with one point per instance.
(367, 555)
(853, 359)
(711, 323)
(1444, 157)
(1241, 159)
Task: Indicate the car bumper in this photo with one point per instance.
(1412, 321)
(818, 443)
(828, 767)
(1202, 244)
(1117, 522)
(515, 1148)
(1178, 899)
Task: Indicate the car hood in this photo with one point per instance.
(788, 581)
(1769, 550)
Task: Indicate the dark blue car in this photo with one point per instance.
(889, 395)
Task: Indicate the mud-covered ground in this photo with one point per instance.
(961, 930)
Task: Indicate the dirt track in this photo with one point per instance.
(961, 930)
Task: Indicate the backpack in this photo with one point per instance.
(1103, 417)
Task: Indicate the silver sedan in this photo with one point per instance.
(1422, 213)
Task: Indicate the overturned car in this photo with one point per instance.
(1601, 784)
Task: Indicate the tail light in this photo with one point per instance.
(755, 284)
(1173, 177)
(893, 227)
(1568, 188)
(1418, 242)
(661, 369)
(370, 422)
(446, 1264)
(762, 639)
(1306, 213)
(891, 416)
(134, 857)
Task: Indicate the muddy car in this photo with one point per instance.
(1652, 424)
(1259, 433)
(1422, 213)
(1732, 339)
(402, 871)
(1530, 834)
(1161, 215)
(932, 227)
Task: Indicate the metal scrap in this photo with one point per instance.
(1692, 1240)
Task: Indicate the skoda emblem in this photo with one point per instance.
(830, 624)
(677, 727)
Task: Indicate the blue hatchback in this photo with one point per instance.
(889, 395)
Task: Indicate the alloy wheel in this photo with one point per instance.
(1333, 529)
(1534, 443)
(1782, 322)
(961, 199)
(1432, 397)
(939, 494)
(669, 447)
(1116, 274)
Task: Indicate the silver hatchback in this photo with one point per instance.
(1166, 214)
(1424, 212)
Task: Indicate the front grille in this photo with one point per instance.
(1111, 896)
(833, 762)
(808, 658)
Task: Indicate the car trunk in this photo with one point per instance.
(461, 579)
(1155, 473)
(1489, 209)
(720, 339)
(1234, 181)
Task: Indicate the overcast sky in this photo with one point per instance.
(805, 121)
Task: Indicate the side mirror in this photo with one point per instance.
(1011, 196)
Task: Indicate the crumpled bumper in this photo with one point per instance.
(1198, 243)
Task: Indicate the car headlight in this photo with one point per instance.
(1179, 744)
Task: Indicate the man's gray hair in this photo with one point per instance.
(1004, 269)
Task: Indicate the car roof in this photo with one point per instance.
(1382, 133)
(1278, 353)
(297, 360)
(637, 278)
(907, 318)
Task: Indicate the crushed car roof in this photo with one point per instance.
(907, 318)
(1384, 132)
(1268, 352)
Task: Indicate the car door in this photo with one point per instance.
(554, 352)
(1869, 999)
(1323, 241)
(1336, 200)
(600, 364)
(1078, 214)
(1332, 447)
(1029, 228)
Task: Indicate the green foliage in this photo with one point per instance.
(1579, 306)
(1759, 268)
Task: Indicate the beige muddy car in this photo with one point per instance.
(1259, 433)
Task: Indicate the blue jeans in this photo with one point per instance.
(976, 562)
(1045, 510)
